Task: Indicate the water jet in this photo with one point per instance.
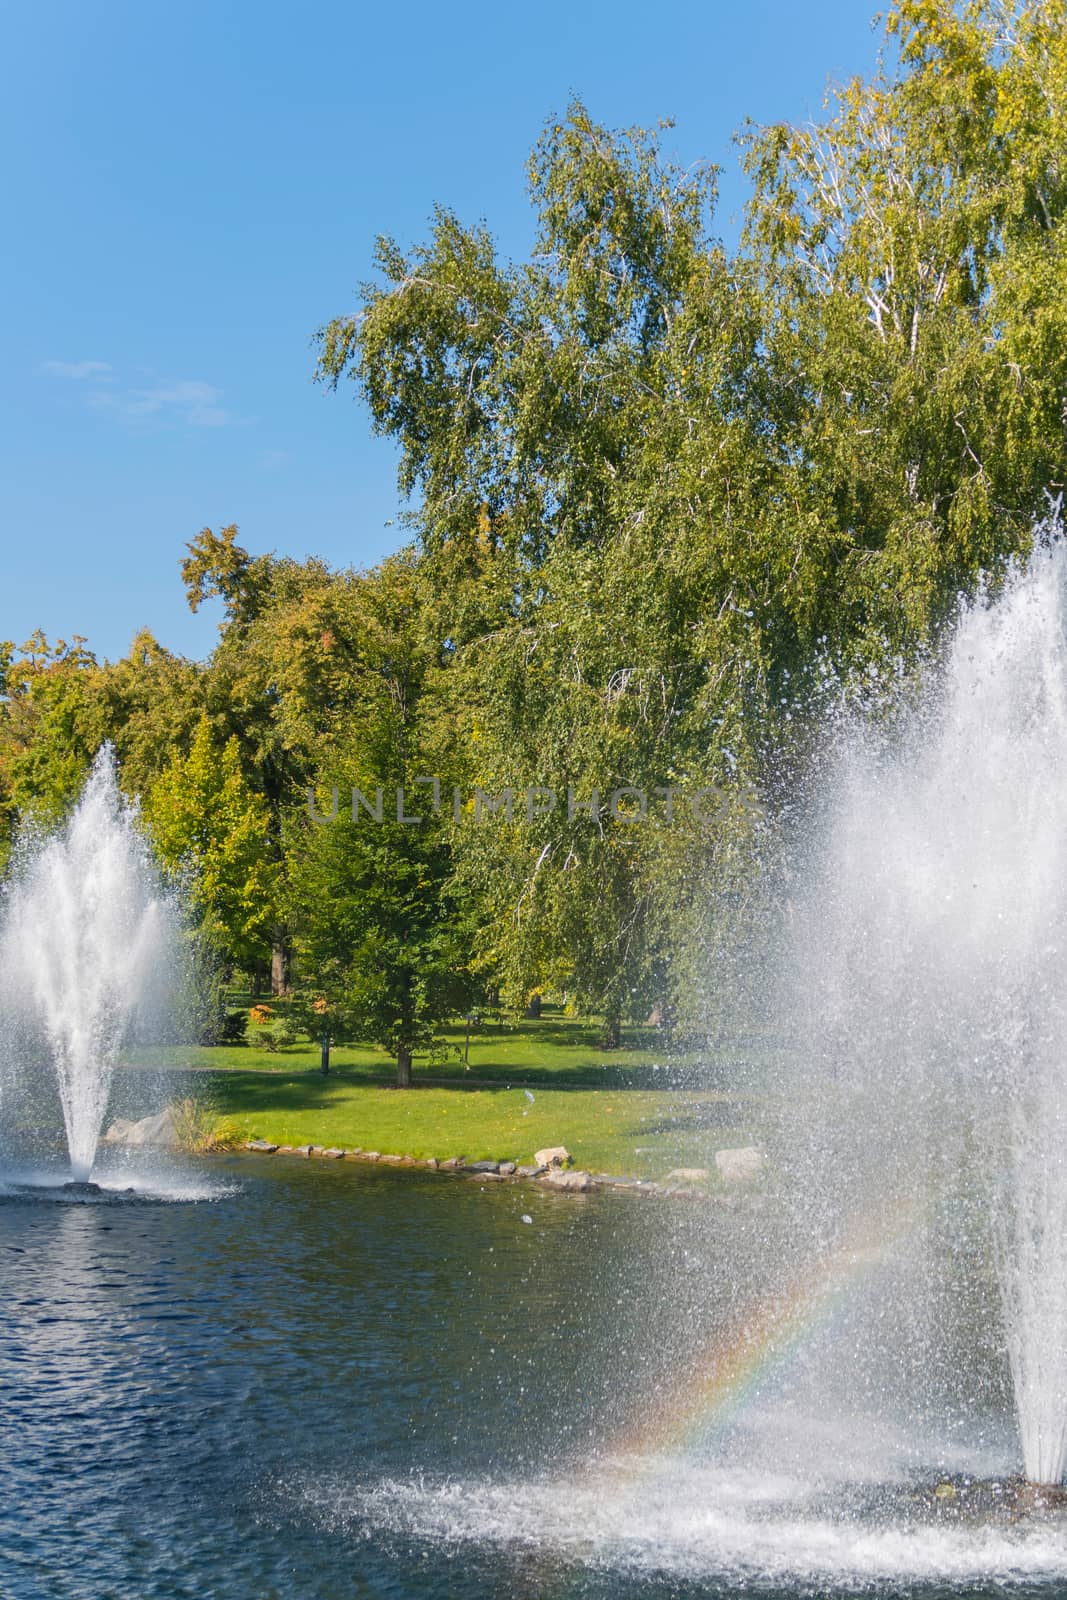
(923, 980)
(83, 940)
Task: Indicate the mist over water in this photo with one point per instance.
(923, 995)
(84, 941)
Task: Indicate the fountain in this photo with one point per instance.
(852, 1362)
(809, 1389)
(83, 935)
(925, 977)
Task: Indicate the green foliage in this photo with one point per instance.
(544, 409)
(46, 742)
(200, 1130)
(905, 250)
(380, 935)
(232, 1029)
(660, 494)
(271, 1031)
(207, 822)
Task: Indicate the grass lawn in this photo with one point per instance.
(624, 1111)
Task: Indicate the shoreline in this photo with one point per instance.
(557, 1177)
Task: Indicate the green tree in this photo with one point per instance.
(541, 412)
(909, 252)
(207, 821)
(381, 939)
(380, 932)
(47, 736)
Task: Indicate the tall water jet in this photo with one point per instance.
(927, 971)
(83, 931)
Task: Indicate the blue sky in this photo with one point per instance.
(192, 188)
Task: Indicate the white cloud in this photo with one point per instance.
(97, 370)
(167, 403)
(189, 401)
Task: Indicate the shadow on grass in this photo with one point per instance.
(563, 1033)
(235, 1092)
(673, 1076)
(715, 1077)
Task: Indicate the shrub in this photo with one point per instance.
(198, 1130)
(234, 1028)
(271, 1032)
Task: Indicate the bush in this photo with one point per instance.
(280, 1035)
(233, 1028)
(270, 1032)
(198, 1131)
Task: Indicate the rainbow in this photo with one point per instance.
(711, 1391)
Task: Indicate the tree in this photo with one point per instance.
(381, 939)
(542, 412)
(206, 821)
(909, 251)
(148, 706)
(245, 699)
(47, 736)
(381, 936)
(663, 495)
(715, 482)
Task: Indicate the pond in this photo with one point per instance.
(278, 1378)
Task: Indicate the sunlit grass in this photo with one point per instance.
(639, 1110)
(632, 1131)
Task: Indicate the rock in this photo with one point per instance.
(432, 1163)
(483, 1177)
(394, 1161)
(117, 1132)
(331, 1154)
(453, 1164)
(555, 1156)
(304, 1150)
(483, 1166)
(528, 1172)
(371, 1155)
(262, 1147)
(284, 1150)
(687, 1177)
(743, 1165)
(160, 1130)
(356, 1155)
(506, 1169)
(156, 1130)
(577, 1180)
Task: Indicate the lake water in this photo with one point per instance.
(288, 1380)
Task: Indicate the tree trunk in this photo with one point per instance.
(533, 1007)
(403, 1068)
(324, 1058)
(279, 968)
(612, 1035)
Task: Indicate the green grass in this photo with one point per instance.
(637, 1131)
(623, 1111)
